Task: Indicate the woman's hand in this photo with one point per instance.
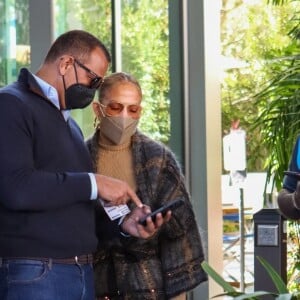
(131, 225)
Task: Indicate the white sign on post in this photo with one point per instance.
(234, 154)
(234, 150)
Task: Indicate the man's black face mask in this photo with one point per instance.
(78, 96)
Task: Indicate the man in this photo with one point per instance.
(47, 190)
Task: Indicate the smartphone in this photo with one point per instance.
(171, 205)
(292, 173)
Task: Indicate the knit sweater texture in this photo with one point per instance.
(116, 161)
(45, 209)
(170, 262)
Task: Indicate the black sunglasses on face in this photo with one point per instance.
(96, 81)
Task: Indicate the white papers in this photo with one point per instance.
(115, 212)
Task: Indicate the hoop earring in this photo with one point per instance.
(96, 123)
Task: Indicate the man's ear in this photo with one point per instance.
(65, 63)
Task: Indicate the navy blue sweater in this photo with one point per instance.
(45, 209)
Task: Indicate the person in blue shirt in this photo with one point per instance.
(48, 190)
(289, 197)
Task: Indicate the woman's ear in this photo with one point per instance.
(97, 109)
(98, 114)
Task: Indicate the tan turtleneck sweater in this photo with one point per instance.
(116, 161)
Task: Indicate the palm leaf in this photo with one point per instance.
(277, 280)
(278, 2)
(285, 297)
(217, 278)
(279, 117)
(254, 295)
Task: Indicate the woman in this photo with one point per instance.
(167, 265)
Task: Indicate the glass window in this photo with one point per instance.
(14, 39)
(144, 52)
(90, 15)
(141, 26)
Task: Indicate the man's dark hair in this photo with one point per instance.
(77, 43)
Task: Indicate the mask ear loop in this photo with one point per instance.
(63, 78)
(101, 110)
(75, 69)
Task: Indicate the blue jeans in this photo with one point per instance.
(37, 280)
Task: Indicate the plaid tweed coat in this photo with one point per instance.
(168, 263)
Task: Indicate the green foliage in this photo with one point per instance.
(278, 118)
(95, 17)
(14, 13)
(278, 2)
(145, 52)
(255, 43)
(293, 256)
(278, 104)
(230, 227)
(282, 291)
(279, 283)
(22, 22)
(217, 278)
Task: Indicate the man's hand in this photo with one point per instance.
(115, 191)
(131, 225)
(296, 196)
(289, 203)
